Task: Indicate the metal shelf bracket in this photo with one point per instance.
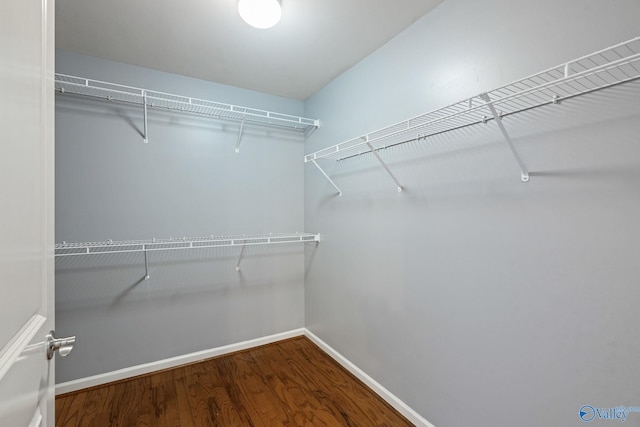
(240, 257)
(384, 165)
(239, 136)
(144, 107)
(311, 129)
(146, 265)
(524, 173)
(328, 178)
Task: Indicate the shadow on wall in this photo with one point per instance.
(310, 254)
(117, 279)
(162, 120)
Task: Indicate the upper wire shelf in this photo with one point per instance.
(602, 69)
(126, 246)
(154, 99)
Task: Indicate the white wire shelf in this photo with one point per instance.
(602, 69)
(65, 249)
(126, 246)
(154, 99)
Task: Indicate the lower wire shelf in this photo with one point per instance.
(124, 246)
(65, 249)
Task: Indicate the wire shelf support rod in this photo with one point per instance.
(524, 173)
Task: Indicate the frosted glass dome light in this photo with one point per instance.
(260, 13)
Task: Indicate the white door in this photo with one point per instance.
(26, 211)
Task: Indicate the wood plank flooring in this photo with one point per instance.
(288, 383)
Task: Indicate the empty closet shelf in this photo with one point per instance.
(602, 69)
(605, 68)
(125, 246)
(184, 104)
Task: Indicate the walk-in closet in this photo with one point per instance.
(420, 213)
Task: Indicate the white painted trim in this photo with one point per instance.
(173, 362)
(389, 397)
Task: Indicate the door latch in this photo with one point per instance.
(62, 345)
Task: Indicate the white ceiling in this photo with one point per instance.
(315, 41)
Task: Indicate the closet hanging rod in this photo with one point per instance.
(155, 99)
(599, 70)
(127, 246)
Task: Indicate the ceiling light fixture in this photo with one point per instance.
(260, 13)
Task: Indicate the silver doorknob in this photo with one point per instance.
(62, 345)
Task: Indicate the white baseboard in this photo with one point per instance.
(389, 397)
(147, 368)
(173, 362)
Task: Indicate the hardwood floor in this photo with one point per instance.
(288, 383)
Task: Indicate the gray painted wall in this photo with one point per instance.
(187, 180)
(477, 299)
